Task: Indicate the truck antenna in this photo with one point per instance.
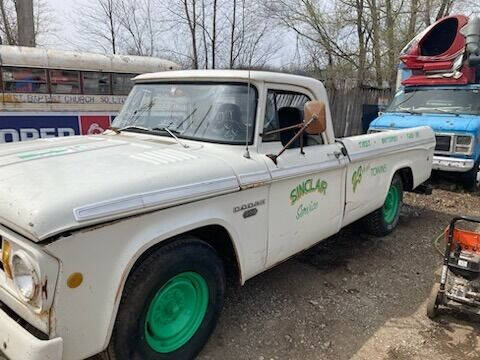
(247, 152)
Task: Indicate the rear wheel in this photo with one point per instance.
(383, 221)
(170, 304)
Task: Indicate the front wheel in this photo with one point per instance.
(170, 304)
(383, 221)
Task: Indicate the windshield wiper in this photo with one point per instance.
(134, 127)
(408, 111)
(171, 133)
(444, 111)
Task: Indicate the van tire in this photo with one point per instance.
(384, 220)
(470, 178)
(177, 290)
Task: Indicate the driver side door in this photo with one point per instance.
(306, 194)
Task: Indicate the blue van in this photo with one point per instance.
(453, 112)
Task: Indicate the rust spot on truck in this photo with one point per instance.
(45, 289)
(254, 185)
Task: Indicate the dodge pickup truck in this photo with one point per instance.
(120, 243)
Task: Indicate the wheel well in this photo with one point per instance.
(218, 238)
(407, 178)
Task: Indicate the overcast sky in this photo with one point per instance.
(63, 13)
(66, 35)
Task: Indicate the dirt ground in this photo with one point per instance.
(354, 296)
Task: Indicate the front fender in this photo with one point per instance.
(105, 254)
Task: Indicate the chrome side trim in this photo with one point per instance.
(381, 151)
(254, 177)
(159, 198)
(301, 170)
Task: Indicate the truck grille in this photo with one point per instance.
(443, 142)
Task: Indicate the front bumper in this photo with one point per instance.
(18, 343)
(445, 163)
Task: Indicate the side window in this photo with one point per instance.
(24, 80)
(96, 83)
(65, 81)
(276, 100)
(122, 83)
(271, 119)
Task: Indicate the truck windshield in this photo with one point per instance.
(213, 112)
(455, 101)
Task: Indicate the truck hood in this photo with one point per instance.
(438, 122)
(52, 185)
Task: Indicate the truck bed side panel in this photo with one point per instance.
(375, 158)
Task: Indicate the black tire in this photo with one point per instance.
(187, 255)
(470, 178)
(375, 223)
(433, 302)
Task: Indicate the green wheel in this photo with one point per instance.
(170, 304)
(176, 312)
(383, 221)
(391, 207)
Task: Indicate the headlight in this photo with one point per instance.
(25, 277)
(463, 144)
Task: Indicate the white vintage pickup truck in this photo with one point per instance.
(120, 244)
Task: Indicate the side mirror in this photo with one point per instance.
(315, 117)
(314, 123)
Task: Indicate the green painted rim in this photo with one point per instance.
(391, 205)
(176, 312)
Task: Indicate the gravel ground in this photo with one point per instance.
(354, 296)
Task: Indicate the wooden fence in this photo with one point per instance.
(347, 104)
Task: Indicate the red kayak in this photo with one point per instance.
(435, 56)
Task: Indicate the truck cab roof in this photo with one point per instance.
(232, 75)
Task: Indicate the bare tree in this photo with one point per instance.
(444, 8)
(98, 24)
(25, 23)
(204, 35)
(214, 33)
(8, 22)
(191, 17)
(139, 33)
(376, 49)
(412, 22)
(43, 22)
(362, 48)
(232, 33)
